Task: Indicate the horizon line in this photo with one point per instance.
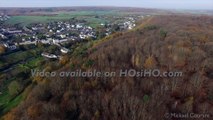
(19, 7)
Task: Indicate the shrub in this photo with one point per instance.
(163, 33)
(14, 88)
(34, 111)
(89, 63)
(146, 98)
(150, 62)
(151, 27)
(64, 60)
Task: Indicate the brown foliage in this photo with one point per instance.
(34, 111)
(2, 49)
(132, 98)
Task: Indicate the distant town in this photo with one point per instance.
(58, 32)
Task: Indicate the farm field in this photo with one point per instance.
(82, 15)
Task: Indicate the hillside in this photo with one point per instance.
(168, 43)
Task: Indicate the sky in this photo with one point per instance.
(163, 4)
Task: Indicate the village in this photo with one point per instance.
(57, 33)
(4, 17)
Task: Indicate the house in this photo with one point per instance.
(3, 36)
(47, 55)
(28, 42)
(45, 41)
(27, 29)
(10, 47)
(34, 28)
(55, 41)
(63, 36)
(82, 36)
(73, 38)
(58, 31)
(72, 26)
(6, 45)
(59, 41)
(14, 31)
(4, 17)
(64, 50)
(79, 26)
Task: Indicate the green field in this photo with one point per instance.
(85, 15)
(7, 102)
(31, 59)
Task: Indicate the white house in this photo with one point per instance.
(47, 55)
(64, 50)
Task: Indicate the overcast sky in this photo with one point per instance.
(166, 4)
